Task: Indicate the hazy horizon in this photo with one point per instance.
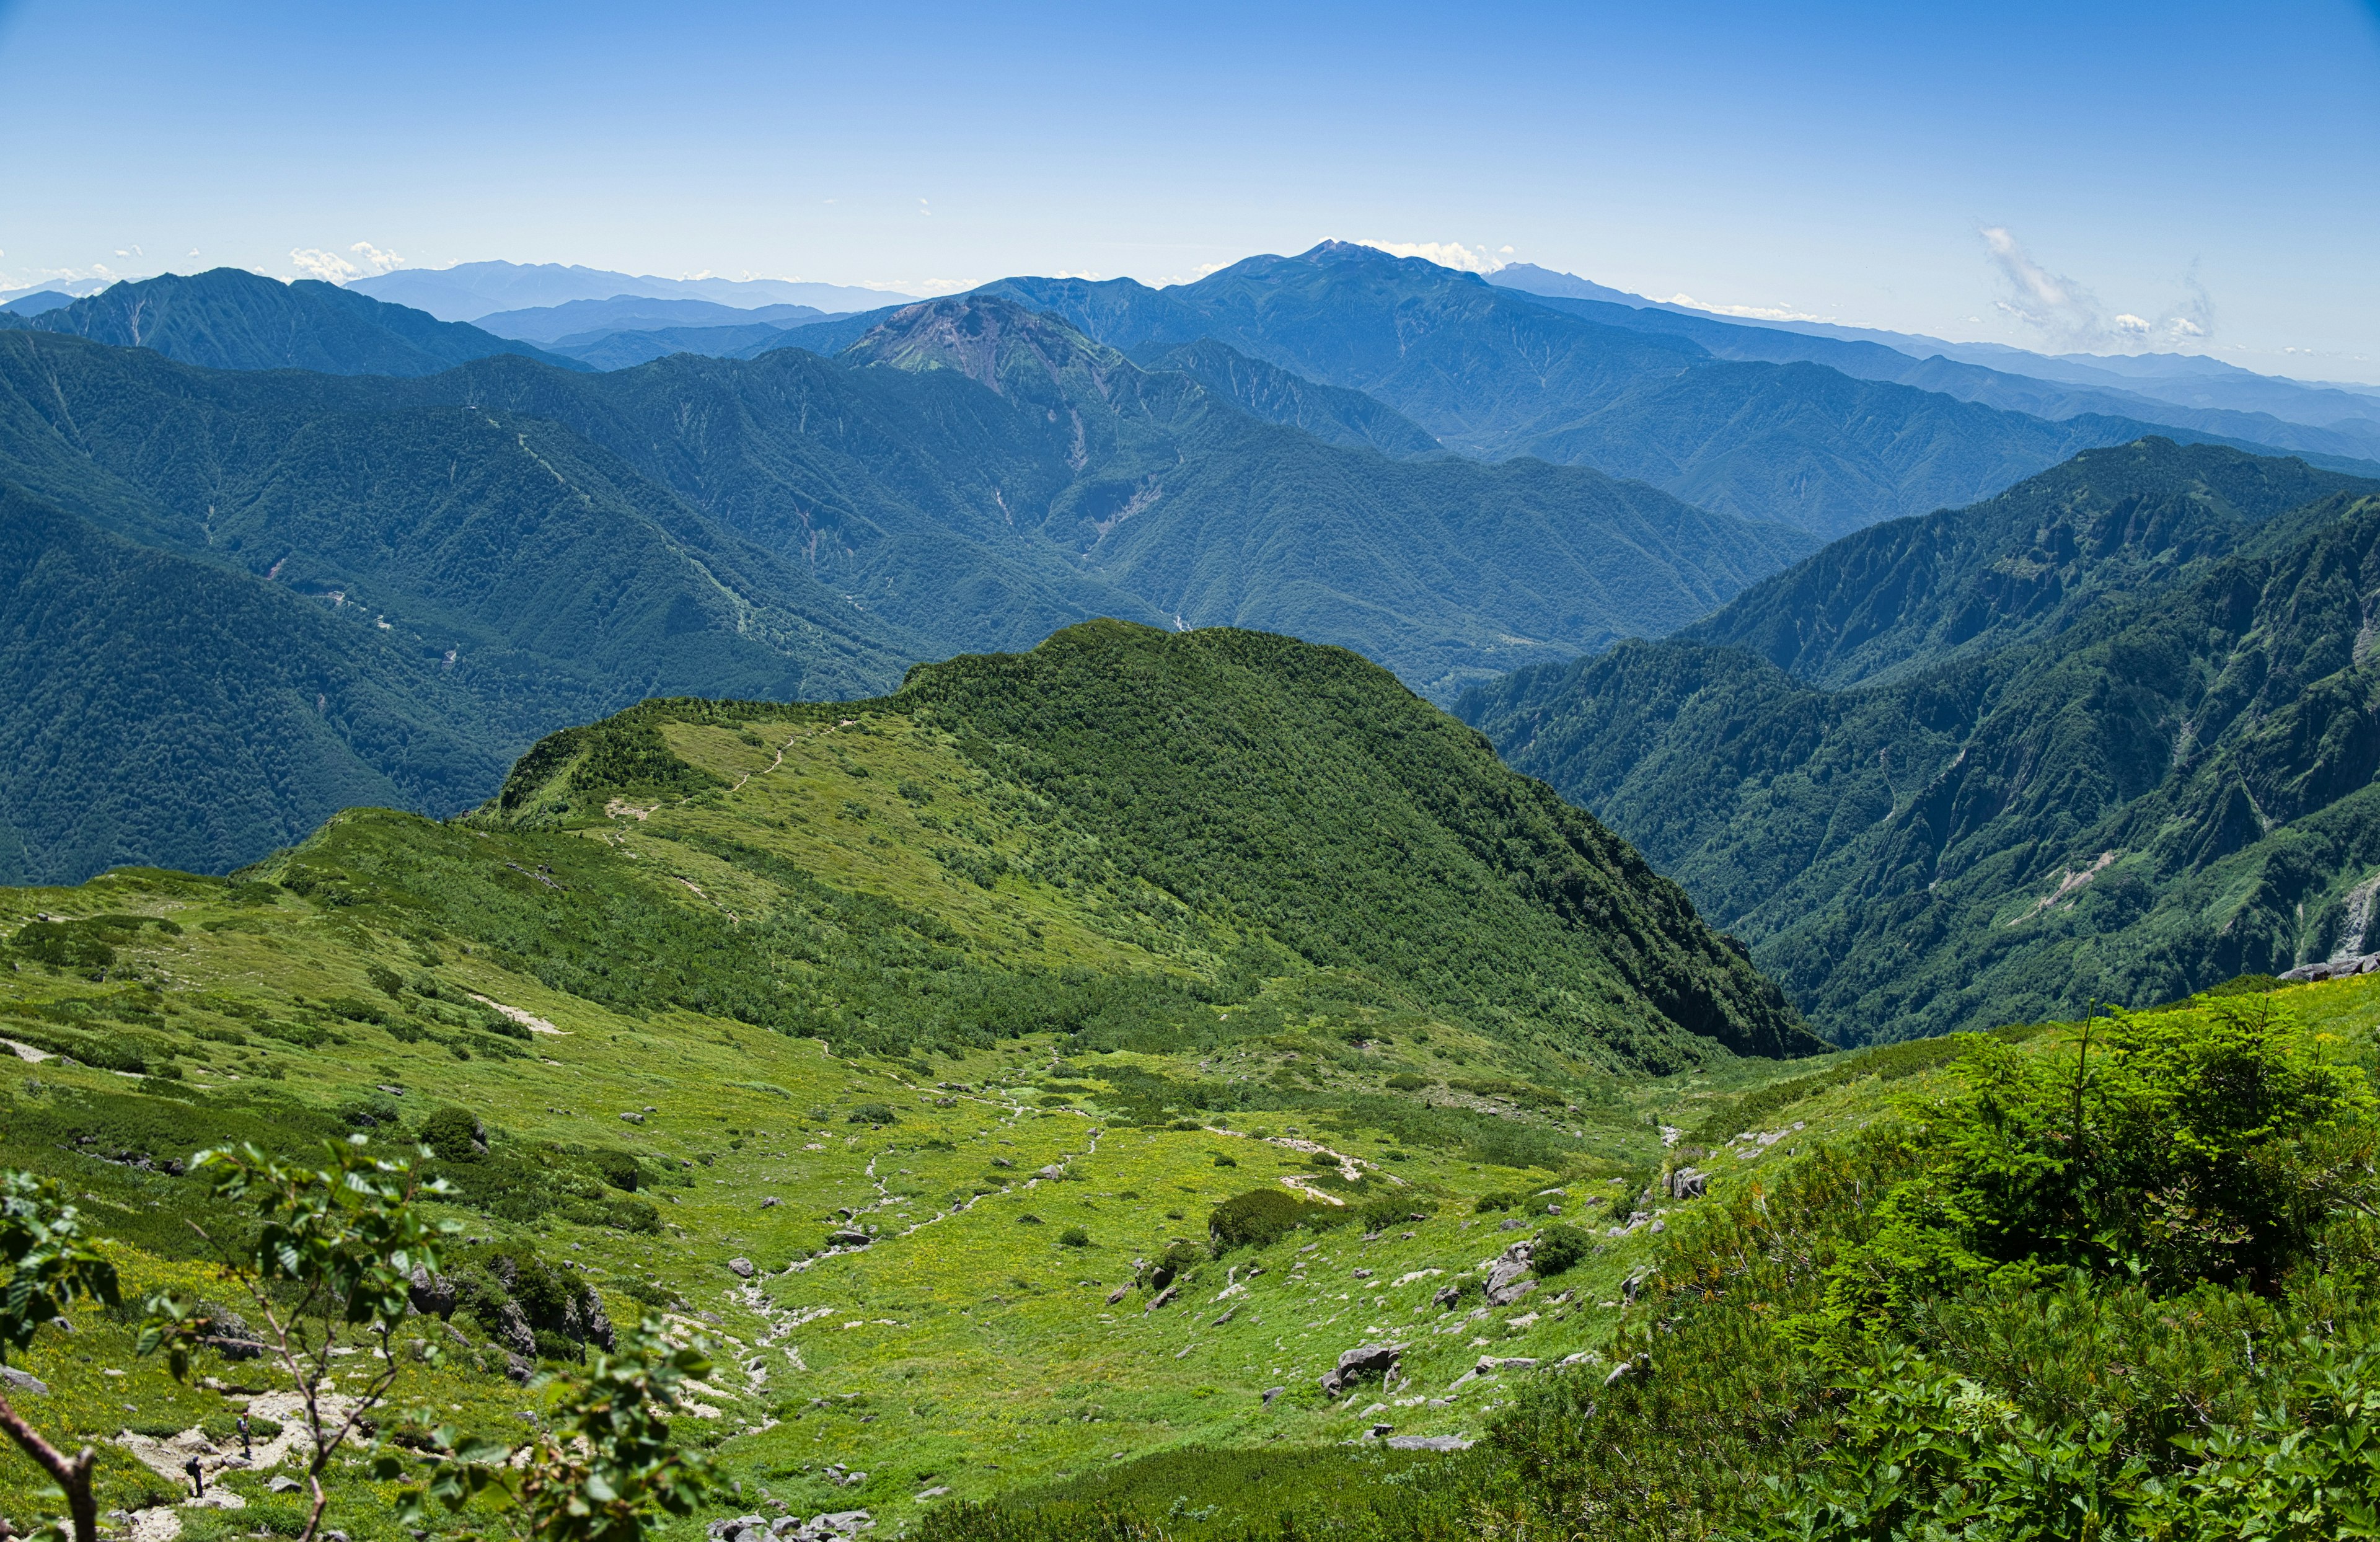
(2119, 180)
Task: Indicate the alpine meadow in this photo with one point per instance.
(810, 773)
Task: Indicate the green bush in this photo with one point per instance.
(1074, 1236)
(1261, 1216)
(873, 1113)
(2172, 1149)
(452, 1134)
(620, 1170)
(1558, 1250)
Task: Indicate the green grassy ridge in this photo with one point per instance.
(2013, 836)
(1299, 796)
(811, 967)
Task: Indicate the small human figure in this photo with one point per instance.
(198, 1478)
(244, 1452)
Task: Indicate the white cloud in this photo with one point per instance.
(1171, 280)
(363, 261)
(901, 287)
(2071, 315)
(1446, 254)
(1749, 312)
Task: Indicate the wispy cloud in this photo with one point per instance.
(363, 260)
(2070, 316)
(1749, 312)
(1171, 279)
(1446, 254)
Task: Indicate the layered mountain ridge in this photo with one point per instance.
(786, 526)
(2104, 738)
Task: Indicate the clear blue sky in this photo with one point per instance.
(2214, 164)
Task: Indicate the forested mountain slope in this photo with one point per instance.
(1495, 372)
(306, 596)
(974, 476)
(2168, 792)
(980, 475)
(230, 319)
(2328, 424)
(1911, 594)
(1329, 413)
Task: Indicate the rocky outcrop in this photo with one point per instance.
(1506, 1284)
(2333, 969)
(432, 1295)
(791, 1528)
(1357, 1363)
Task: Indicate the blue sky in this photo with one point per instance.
(2179, 164)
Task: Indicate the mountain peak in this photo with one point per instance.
(993, 341)
(231, 319)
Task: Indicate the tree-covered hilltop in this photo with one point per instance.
(2141, 795)
(230, 319)
(1302, 796)
(1905, 595)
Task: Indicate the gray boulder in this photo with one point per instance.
(1357, 1363)
(849, 1236)
(24, 1381)
(1687, 1182)
(433, 1297)
(1505, 1285)
(1428, 1442)
(740, 1268)
(1447, 1296)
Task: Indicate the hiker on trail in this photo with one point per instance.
(244, 1452)
(198, 1477)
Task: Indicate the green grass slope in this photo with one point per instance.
(1933, 1290)
(906, 1050)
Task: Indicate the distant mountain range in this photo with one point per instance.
(230, 319)
(585, 321)
(469, 291)
(237, 600)
(1494, 372)
(2106, 737)
(2180, 390)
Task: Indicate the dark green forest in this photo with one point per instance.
(2154, 781)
